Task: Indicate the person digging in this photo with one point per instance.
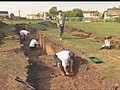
(64, 61)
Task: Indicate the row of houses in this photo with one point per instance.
(110, 12)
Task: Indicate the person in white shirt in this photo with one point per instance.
(106, 44)
(60, 23)
(24, 32)
(33, 43)
(63, 60)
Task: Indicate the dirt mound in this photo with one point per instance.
(21, 26)
(2, 24)
(2, 35)
(115, 41)
(48, 24)
(76, 32)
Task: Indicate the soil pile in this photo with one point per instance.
(24, 26)
(2, 33)
(115, 41)
(2, 24)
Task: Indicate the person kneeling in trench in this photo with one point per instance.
(106, 44)
(33, 44)
(64, 61)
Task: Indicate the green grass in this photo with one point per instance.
(13, 22)
(74, 43)
(99, 28)
(7, 29)
(9, 60)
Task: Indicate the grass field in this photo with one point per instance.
(99, 28)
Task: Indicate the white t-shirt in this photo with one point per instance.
(107, 43)
(33, 42)
(64, 57)
(60, 19)
(24, 32)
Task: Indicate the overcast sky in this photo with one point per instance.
(29, 7)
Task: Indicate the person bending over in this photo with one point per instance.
(64, 60)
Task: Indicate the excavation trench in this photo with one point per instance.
(40, 60)
(41, 67)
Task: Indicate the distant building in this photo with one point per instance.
(32, 16)
(36, 16)
(90, 15)
(4, 15)
(112, 13)
(93, 14)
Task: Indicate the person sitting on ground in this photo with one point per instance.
(64, 61)
(106, 44)
(24, 33)
(33, 43)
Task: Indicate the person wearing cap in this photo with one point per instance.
(60, 23)
(63, 60)
(106, 44)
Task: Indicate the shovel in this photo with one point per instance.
(24, 82)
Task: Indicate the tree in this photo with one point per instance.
(74, 13)
(12, 16)
(68, 13)
(77, 12)
(53, 11)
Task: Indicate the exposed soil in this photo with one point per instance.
(42, 75)
(2, 24)
(115, 41)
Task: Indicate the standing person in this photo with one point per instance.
(60, 23)
(33, 43)
(64, 61)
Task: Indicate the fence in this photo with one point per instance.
(83, 19)
(92, 19)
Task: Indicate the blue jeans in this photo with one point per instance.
(61, 30)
